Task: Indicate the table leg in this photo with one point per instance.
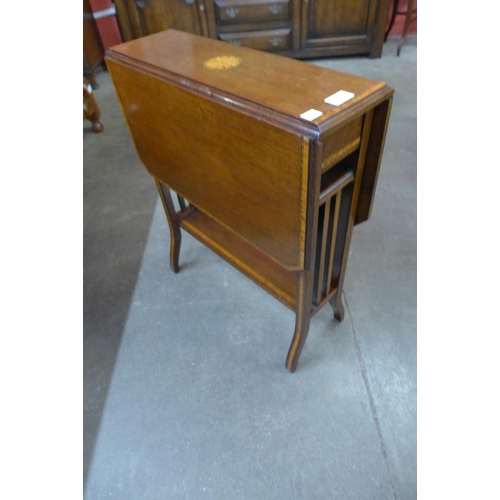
(408, 19)
(303, 318)
(395, 12)
(175, 230)
(338, 306)
(91, 110)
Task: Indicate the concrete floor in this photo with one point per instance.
(185, 390)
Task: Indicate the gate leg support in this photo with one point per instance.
(175, 230)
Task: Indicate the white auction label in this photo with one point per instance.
(311, 115)
(339, 97)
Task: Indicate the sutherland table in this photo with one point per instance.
(273, 193)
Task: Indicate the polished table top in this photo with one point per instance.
(280, 84)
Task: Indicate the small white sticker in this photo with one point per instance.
(339, 97)
(311, 115)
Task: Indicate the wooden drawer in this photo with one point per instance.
(269, 40)
(241, 11)
(338, 143)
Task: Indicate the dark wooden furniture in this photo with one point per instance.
(410, 15)
(274, 194)
(294, 28)
(93, 52)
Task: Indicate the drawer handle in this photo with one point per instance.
(275, 41)
(236, 42)
(232, 12)
(275, 9)
(188, 2)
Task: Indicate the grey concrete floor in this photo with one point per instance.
(185, 390)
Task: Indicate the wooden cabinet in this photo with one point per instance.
(294, 28)
(259, 24)
(271, 189)
(138, 18)
(93, 51)
(343, 26)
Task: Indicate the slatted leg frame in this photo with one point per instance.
(335, 204)
(316, 288)
(338, 199)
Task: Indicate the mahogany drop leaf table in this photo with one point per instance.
(273, 160)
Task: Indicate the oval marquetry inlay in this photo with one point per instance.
(222, 62)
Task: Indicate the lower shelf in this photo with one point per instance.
(275, 279)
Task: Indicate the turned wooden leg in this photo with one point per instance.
(303, 318)
(91, 110)
(96, 124)
(175, 230)
(91, 79)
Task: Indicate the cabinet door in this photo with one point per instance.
(93, 52)
(328, 23)
(140, 18)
